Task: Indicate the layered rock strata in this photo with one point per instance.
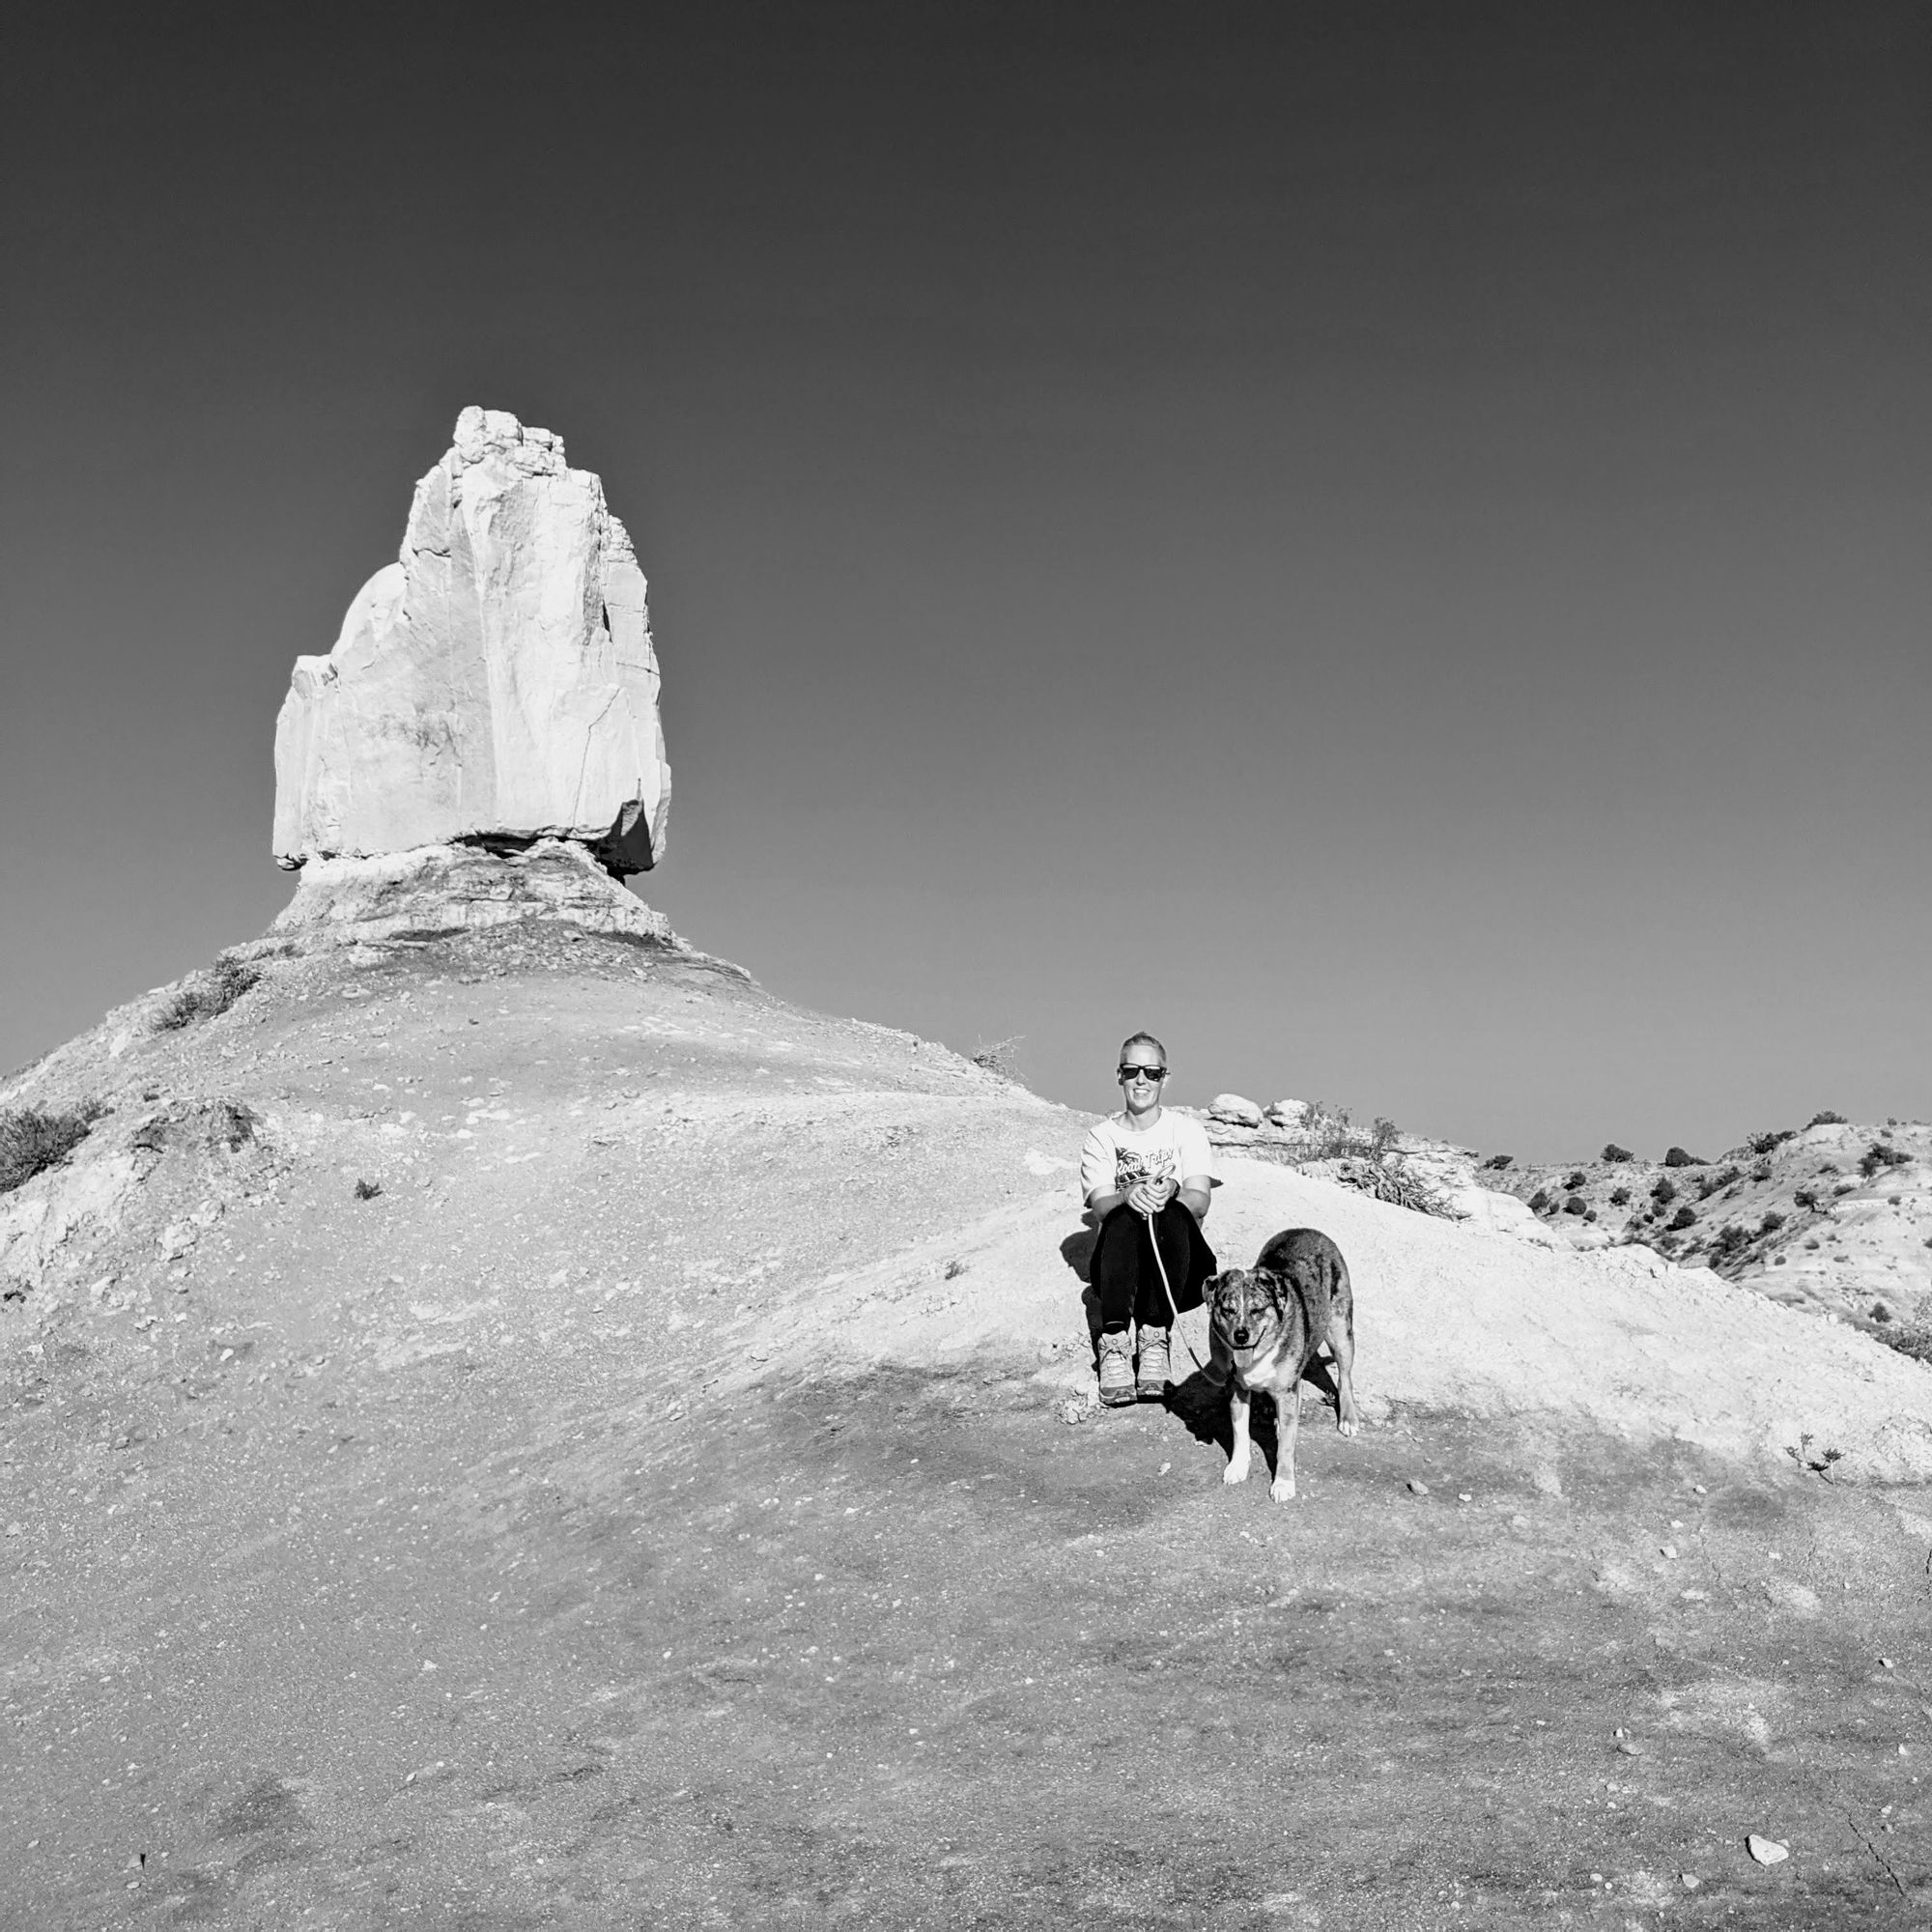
(439, 890)
(497, 684)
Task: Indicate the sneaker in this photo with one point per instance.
(1153, 1370)
(1116, 1373)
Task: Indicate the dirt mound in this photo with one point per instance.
(526, 1427)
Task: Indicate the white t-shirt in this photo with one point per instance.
(1115, 1157)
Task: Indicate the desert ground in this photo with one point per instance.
(527, 1429)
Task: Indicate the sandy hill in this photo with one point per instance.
(523, 1427)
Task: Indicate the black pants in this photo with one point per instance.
(1123, 1273)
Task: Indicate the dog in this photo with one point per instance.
(1265, 1324)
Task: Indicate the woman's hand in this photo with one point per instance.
(1150, 1196)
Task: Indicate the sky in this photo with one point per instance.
(1384, 543)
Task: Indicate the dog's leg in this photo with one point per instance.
(1286, 1427)
(1237, 1470)
(1342, 1346)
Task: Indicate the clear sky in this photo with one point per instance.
(1385, 542)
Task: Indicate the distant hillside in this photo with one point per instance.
(1833, 1216)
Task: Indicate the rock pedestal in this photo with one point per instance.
(441, 890)
(496, 685)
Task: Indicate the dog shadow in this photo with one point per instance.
(1201, 1405)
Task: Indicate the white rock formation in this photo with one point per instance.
(1234, 1110)
(497, 684)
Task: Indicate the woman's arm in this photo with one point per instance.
(1195, 1193)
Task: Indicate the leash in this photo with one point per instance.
(1167, 1288)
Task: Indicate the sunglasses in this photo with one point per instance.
(1143, 1072)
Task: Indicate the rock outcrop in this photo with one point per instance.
(439, 890)
(496, 685)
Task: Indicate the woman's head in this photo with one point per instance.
(1143, 1065)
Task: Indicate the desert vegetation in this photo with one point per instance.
(33, 1139)
(1000, 1056)
(206, 994)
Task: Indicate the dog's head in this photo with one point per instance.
(1248, 1308)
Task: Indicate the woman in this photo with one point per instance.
(1146, 1173)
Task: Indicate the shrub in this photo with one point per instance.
(206, 994)
(1576, 1205)
(1879, 1156)
(1538, 1201)
(1677, 1157)
(1665, 1192)
(1771, 1222)
(1499, 1161)
(1000, 1056)
(1806, 1197)
(1915, 1341)
(33, 1140)
(1729, 1241)
(1769, 1143)
(1613, 1153)
(1575, 1180)
(1394, 1181)
(1709, 1183)
(1685, 1217)
(1827, 1119)
(367, 1190)
(1619, 1197)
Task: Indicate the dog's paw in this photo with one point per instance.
(1236, 1471)
(1282, 1490)
(1350, 1425)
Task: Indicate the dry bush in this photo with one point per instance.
(1914, 1340)
(1000, 1056)
(32, 1140)
(206, 994)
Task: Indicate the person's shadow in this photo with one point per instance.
(1077, 1252)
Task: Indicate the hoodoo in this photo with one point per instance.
(494, 686)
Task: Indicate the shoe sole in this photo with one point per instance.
(1119, 1397)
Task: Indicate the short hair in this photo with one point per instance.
(1135, 1039)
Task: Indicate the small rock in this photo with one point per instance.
(1690, 1881)
(1668, 1550)
(14, 1529)
(1072, 1413)
(1767, 1851)
(1518, 1522)
(1886, 1664)
(1418, 1487)
(1629, 1747)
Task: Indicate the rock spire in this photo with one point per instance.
(496, 685)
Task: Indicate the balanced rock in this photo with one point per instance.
(496, 685)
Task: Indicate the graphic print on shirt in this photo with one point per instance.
(1133, 1165)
